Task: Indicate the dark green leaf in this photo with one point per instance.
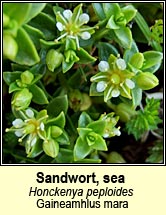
(124, 37)
(65, 156)
(152, 58)
(39, 96)
(58, 121)
(84, 56)
(84, 120)
(57, 105)
(13, 87)
(10, 77)
(36, 150)
(34, 34)
(98, 8)
(27, 54)
(46, 24)
(105, 49)
(63, 139)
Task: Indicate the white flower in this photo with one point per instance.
(130, 83)
(59, 26)
(103, 66)
(84, 18)
(85, 35)
(121, 64)
(101, 85)
(117, 132)
(106, 135)
(29, 113)
(18, 123)
(42, 126)
(19, 133)
(67, 14)
(115, 93)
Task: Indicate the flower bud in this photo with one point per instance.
(121, 64)
(10, 47)
(27, 77)
(22, 99)
(137, 60)
(56, 131)
(103, 66)
(124, 111)
(53, 59)
(51, 148)
(146, 80)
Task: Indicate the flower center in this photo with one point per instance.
(115, 79)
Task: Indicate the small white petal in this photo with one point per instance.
(115, 93)
(84, 18)
(42, 126)
(130, 83)
(121, 64)
(59, 26)
(106, 135)
(85, 35)
(103, 66)
(19, 133)
(29, 113)
(18, 123)
(33, 141)
(117, 132)
(101, 85)
(67, 14)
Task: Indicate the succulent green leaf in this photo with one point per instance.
(39, 96)
(98, 8)
(97, 126)
(57, 105)
(47, 26)
(112, 24)
(63, 139)
(111, 9)
(84, 120)
(10, 77)
(58, 121)
(81, 149)
(137, 60)
(152, 58)
(84, 56)
(27, 53)
(129, 12)
(51, 148)
(35, 9)
(99, 144)
(105, 49)
(124, 37)
(136, 96)
(13, 87)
